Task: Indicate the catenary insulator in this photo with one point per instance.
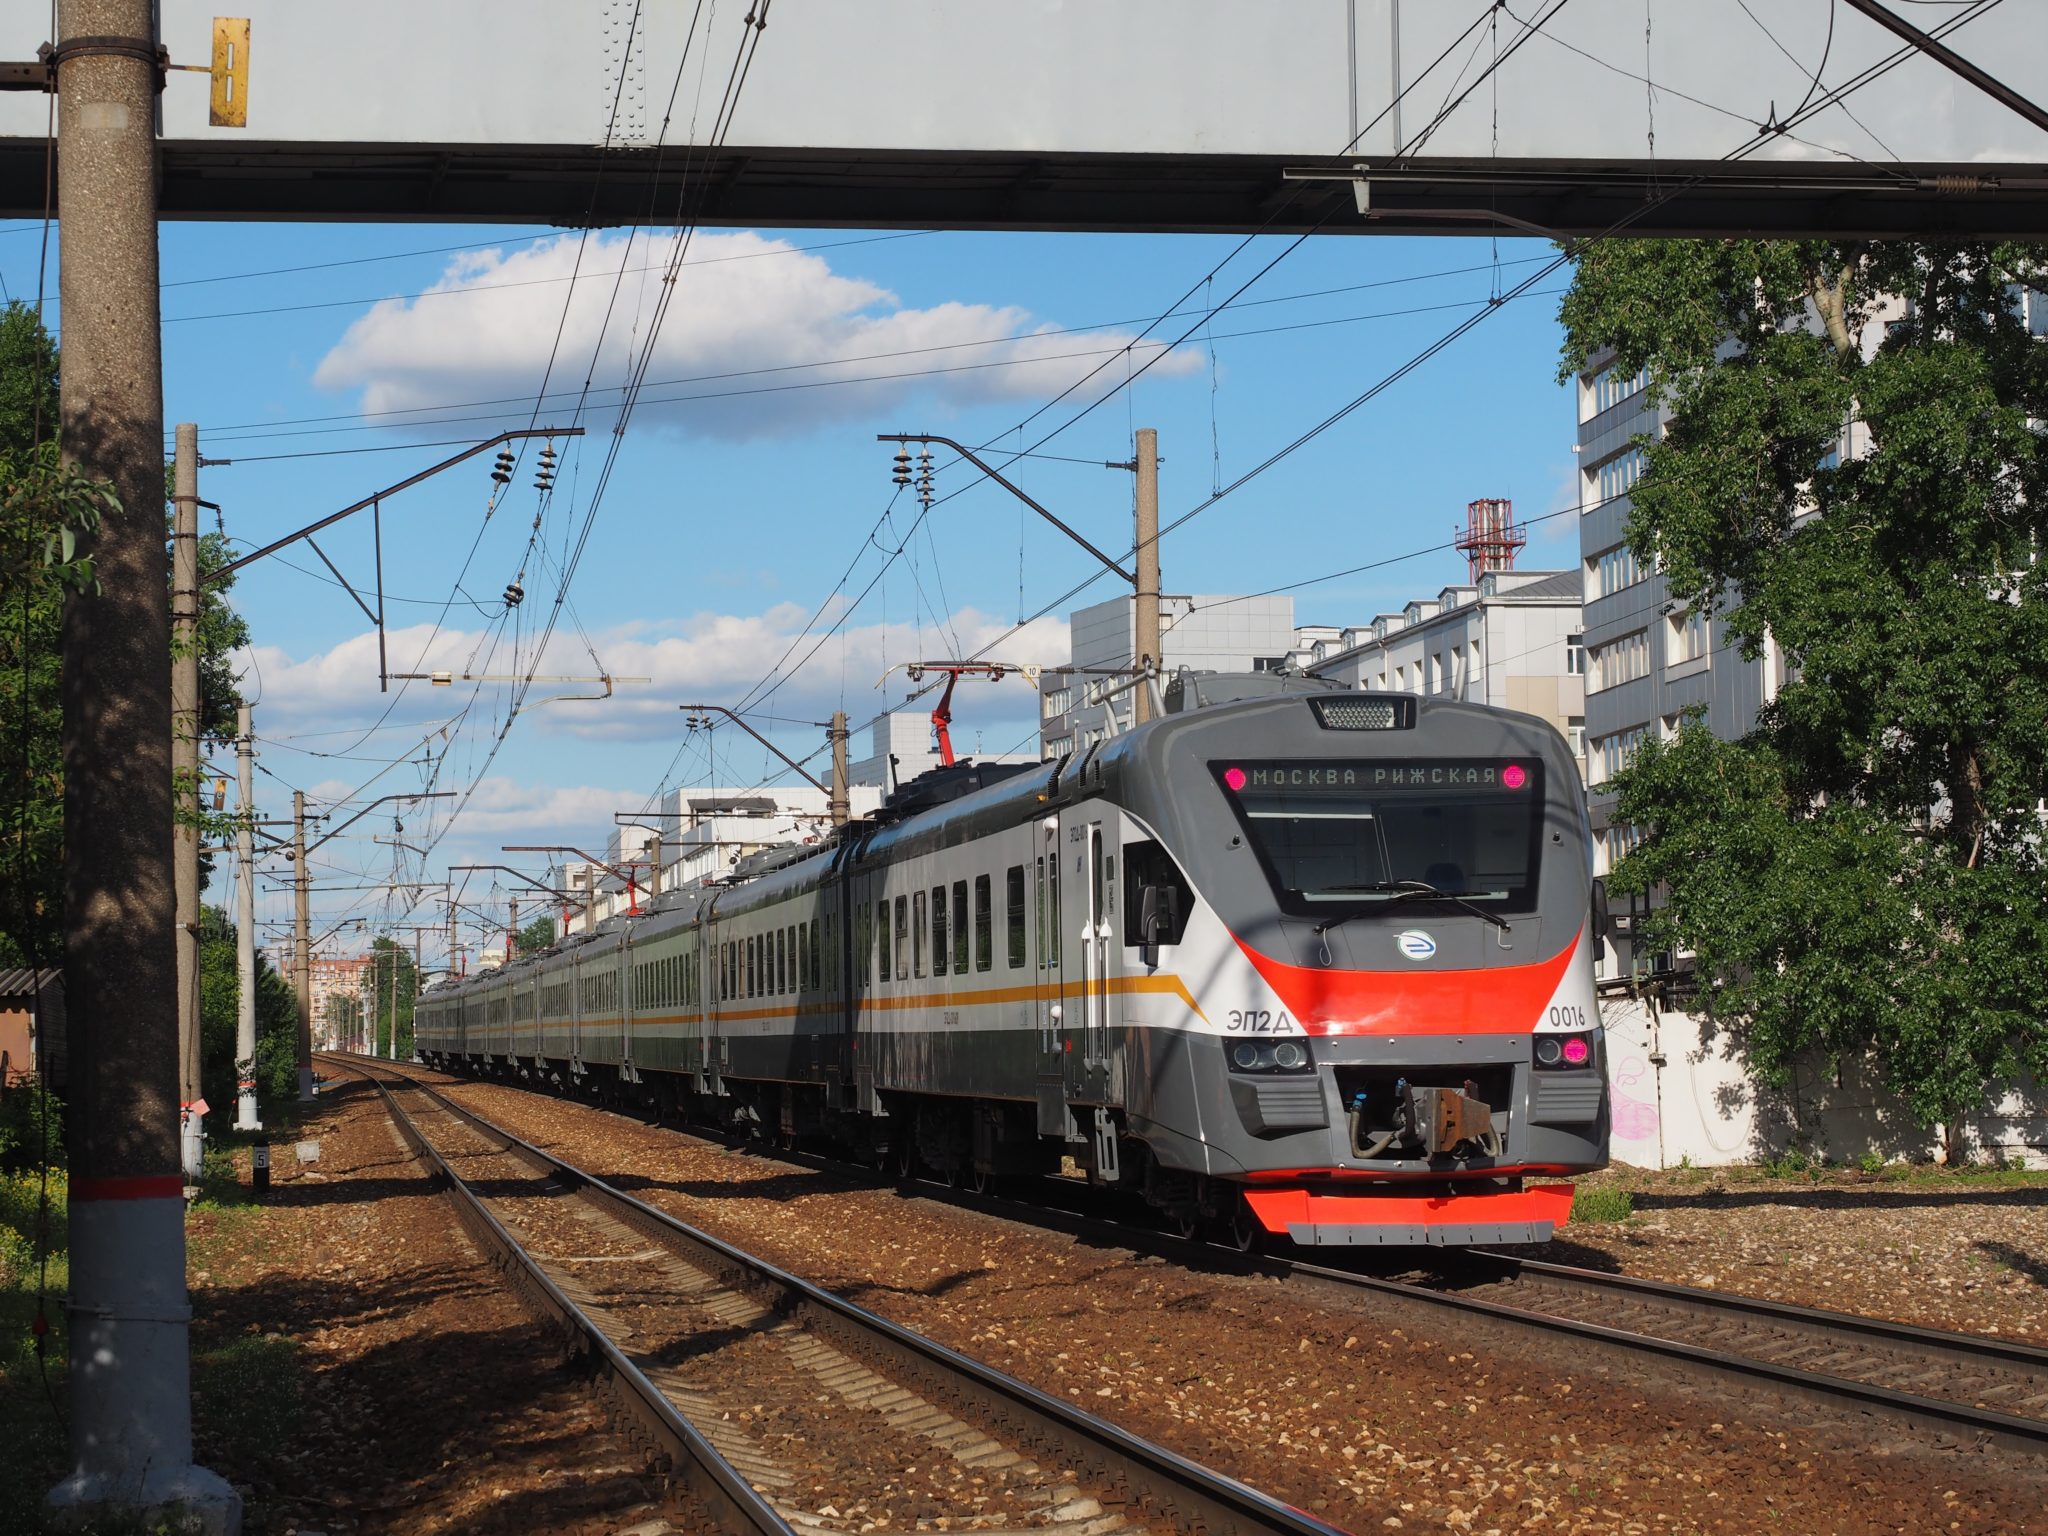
(514, 594)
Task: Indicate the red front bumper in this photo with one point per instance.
(1529, 1215)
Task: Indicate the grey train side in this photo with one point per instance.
(1072, 959)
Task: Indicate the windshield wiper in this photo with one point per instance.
(1410, 890)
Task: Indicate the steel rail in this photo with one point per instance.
(1158, 1482)
(1945, 1417)
(1941, 1346)
(717, 1486)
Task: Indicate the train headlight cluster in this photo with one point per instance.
(1564, 1052)
(1270, 1056)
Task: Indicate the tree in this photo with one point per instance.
(277, 1021)
(1861, 875)
(535, 936)
(396, 984)
(46, 512)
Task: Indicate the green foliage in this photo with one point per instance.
(31, 612)
(277, 1025)
(395, 985)
(31, 1128)
(48, 514)
(536, 936)
(1602, 1202)
(1862, 874)
(248, 1394)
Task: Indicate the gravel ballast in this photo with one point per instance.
(1371, 1419)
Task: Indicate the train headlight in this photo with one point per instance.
(1564, 1052)
(1270, 1056)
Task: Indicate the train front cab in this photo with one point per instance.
(1368, 1064)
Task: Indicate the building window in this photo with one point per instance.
(1619, 661)
(1691, 636)
(1619, 474)
(1611, 386)
(1619, 841)
(1575, 733)
(1059, 746)
(1612, 570)
(1574, 655)
(1611, 754)
(1056, 702)
(1268, 663)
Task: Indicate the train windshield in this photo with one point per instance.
(1353, 836)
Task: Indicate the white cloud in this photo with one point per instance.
(708, 657)
(736, 355)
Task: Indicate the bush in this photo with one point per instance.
(1602, 1202)
(31, 1127)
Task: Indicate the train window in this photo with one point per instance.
(863, 942)
(938, 930)
(1013, 892)
(917, 934)
(800, 937)
(1051, 941)
(984, 926)
(798, 979)
(1146, 863)
(1038, 914)
(818, 955)
(1357, 836)
(882, 940)
(781, 961)
(754, 965)
(960, 927)
(902, 937)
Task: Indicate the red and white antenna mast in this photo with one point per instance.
(1491, 539)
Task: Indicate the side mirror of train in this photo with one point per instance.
(1603, 920)
(1158, 919)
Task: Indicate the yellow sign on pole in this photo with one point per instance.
(230, 107)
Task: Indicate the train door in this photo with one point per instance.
(1093, 1017)
(629, 1004)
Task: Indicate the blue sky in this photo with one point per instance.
(730, 516)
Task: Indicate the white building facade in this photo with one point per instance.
(1512, 641)
(1208, 633)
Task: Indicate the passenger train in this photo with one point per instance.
(1289, 960)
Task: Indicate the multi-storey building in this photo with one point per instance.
(1206, 633)
(1510, 640)
(1648, 658)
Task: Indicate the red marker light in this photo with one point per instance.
(1514, 776)
(1576, 1050)
(1233, 779)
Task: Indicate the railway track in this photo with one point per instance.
(780, 1407)
(1958, 1389)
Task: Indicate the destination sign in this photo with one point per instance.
(1382, 775)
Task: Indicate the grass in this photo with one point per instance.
(246, 1394)
(1601, 1202)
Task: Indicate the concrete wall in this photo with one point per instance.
(1700, 1104)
